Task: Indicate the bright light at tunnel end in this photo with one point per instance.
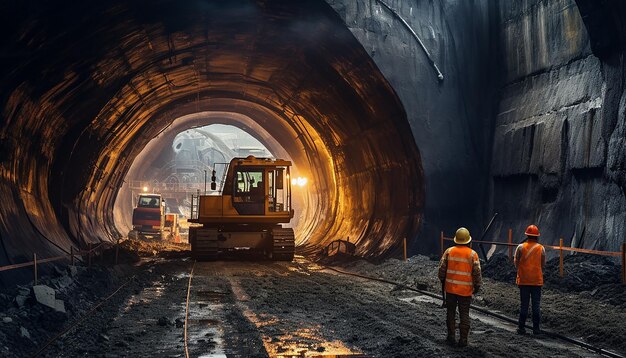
(145, 189)
(299, 181)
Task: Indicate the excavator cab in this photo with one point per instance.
(247, 213)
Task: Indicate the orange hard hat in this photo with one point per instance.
(532, 230)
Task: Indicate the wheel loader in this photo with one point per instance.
(246, 213)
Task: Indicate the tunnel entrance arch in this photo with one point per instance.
(115, 74)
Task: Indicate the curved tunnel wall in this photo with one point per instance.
(280, 140)
(91, 84)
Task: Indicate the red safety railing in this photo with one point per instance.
(561, 248)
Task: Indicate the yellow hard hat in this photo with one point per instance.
(462, 236)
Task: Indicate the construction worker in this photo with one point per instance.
(530, 259)
(459, 272)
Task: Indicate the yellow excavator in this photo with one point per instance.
(246, 213)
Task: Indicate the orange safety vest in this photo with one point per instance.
(529, 271)
(459, 271)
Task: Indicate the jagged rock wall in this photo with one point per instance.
(529, 120)
(558, 149)
(451, 119)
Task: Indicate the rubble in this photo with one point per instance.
(24, 333)
(20, 300)
(499, 267)
(46, 296)
(596, 276)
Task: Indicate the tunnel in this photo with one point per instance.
(409, 119)
(88, 86)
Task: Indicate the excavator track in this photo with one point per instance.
(283, 244)
(204, 245)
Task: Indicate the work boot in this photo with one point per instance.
(521, 330)
(463, 338)
(451, 339)
(536, 331)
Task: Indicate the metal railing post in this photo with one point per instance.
(510, 244)
(72, 255)
(561, 273)
(117, 249)
(441, 242)
(624, 263)
(404, 248)
(35, 262)
(89, 256)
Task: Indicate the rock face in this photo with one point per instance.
(558, 149)
(451, 120)
(529, 120)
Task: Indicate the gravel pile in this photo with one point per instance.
(593, 276)
(30, 316)
(28, 321)
(582, 272)
(499, 268)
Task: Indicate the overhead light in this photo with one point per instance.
(145, 189)
(299, 181)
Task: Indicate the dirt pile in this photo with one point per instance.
(27, 322)
(417, 271)
(137, 248)
(594, 276)
(500, 268)
(126, 254)
(581, 272)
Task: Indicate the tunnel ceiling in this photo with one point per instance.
(85, 86)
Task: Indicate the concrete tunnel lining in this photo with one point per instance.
(78, 111)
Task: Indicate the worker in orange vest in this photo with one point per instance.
(530, 259)
(459, 271)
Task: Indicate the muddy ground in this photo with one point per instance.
(589, 303)
(262, 308)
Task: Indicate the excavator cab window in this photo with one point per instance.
(249, 193)
(277, 193)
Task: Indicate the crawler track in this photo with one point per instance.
(484, 311)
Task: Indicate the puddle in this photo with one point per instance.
(146, 296)
(182, 275)
(352, 355)
(306, 343)
(421, 299)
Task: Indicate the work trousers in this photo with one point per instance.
(463, 302)
(528, 293)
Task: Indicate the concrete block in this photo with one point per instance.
(45, 295)
(59, 306)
